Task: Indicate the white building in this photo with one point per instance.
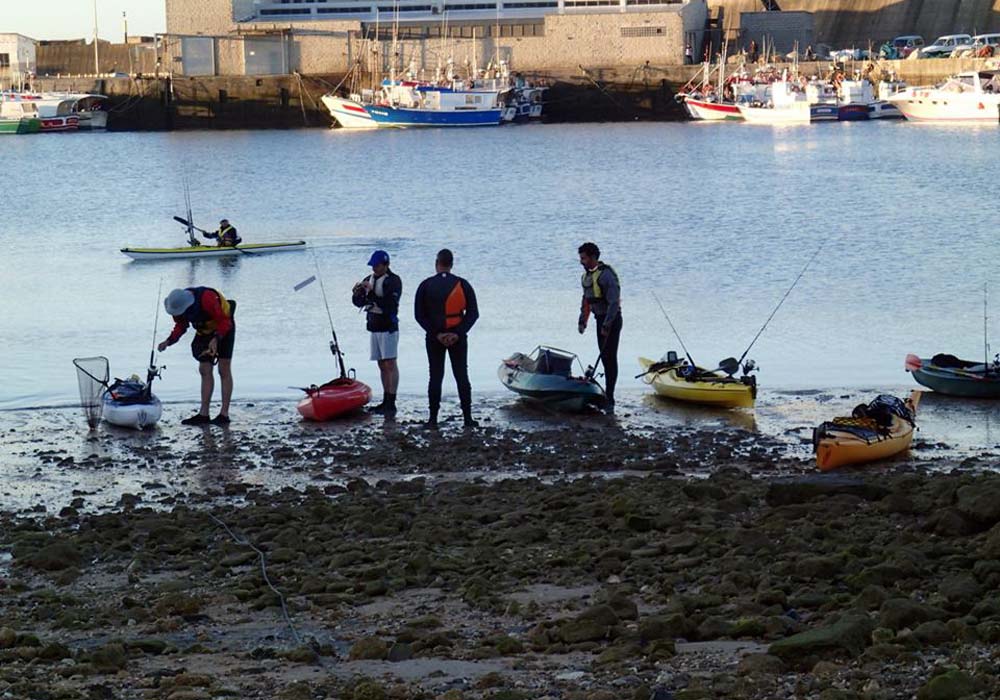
(17, 58)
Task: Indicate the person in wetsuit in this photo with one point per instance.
(445, 307)
(602, 297)
(226, 235)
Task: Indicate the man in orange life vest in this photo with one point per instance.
(445, 307)
(211, 314)
(602, 296)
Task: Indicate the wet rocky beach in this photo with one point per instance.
(589, 559)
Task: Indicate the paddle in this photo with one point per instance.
(194, 241)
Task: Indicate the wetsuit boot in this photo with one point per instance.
(390, 406)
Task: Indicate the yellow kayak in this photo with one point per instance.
(859, 440)
(705, 387)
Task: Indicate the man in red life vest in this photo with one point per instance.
(445, 307)
(211, 314)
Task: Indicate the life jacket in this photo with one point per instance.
(591, 280)
(455, 306)
(228, 236)
(202, 323)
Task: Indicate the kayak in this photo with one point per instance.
(334, 399)
(128, 404)
(884, 429)
(679, 380)
(546, 376)
(947, 374)
(205, 251)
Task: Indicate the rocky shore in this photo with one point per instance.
(559, 564)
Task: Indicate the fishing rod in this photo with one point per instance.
(153, 371)
(334, 344)
(782, 301)
(676, 334)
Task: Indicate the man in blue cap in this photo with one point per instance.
(378, 294)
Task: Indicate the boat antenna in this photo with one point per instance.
(781, 301)
(986, 341)
(676, 334)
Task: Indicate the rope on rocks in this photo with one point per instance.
(263, 571)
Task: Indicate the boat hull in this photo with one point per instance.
(244, 249)
(797, 114)
(132, 415)
(20, 126)
(554, 391)
(721, 394)
(348, 113)
(60, 124)
(953, 381)
(338, 398)
(931, 106)
(401, 118)
(711, 111)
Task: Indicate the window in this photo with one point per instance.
(4, 60)
(634, 32)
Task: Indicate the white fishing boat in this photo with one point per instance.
(973, 96)
(789, 104)
(63, 111)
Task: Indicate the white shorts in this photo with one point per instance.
(385, 345)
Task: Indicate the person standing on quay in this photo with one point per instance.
(688, 54)
(602, 297)
(211, 314)
(379, 295)
(445, 307)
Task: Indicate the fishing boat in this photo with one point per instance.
(65, 107)
(675, 378)
(973, 96)
(947, 374)
(406, 103)
(205, 251)
(878, 430)
(21, 125)
(545, 376)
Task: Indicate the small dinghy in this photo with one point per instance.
(874, 431)
(947, 374)
(546, 376)
(675, 378)
(127, 403)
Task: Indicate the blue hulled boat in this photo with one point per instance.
(947, 374)
(406, 103)
(546, 376)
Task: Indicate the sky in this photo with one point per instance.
(74, 19)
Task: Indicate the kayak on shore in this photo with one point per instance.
(947, 374)
(878, 430)
(205, 251)
(675, 378)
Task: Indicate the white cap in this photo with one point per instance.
(178, 301)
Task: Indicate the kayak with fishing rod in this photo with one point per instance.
(545, 376)
(204, 251)
(875, 431)
(675, 378)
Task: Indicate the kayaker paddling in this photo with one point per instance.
(379, 294)
(445, 307)
(211, 315)
(226, 235)
(602, 298)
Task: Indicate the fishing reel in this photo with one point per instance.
(748, 367)
(334, 348)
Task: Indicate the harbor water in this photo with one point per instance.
(714, 220)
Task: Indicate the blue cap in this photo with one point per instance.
(378, 258)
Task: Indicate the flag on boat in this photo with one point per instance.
(304, 283)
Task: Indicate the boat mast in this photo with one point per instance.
(986, 342)
(97, 58)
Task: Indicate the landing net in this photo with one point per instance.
(92, 375)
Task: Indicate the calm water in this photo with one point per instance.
(715, 219)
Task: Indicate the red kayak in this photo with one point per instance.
(334, 399)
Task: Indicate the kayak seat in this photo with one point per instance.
(549, 362)
(950, 361)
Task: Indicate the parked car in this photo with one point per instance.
(976, 46)
(907, 44)
(944, 45)
(850, 55)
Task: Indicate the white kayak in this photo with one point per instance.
(132, 414)
(204, 251)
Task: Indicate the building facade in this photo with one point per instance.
(17, 58)
(265, 37)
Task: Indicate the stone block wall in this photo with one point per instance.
(209, 17)
(778, 29)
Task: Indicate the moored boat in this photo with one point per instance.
(676, 378)
(545, 376)
(947, 374)
(875, 431)
(204, 251)
(973, 96)
(407, 103)
(22, 125)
